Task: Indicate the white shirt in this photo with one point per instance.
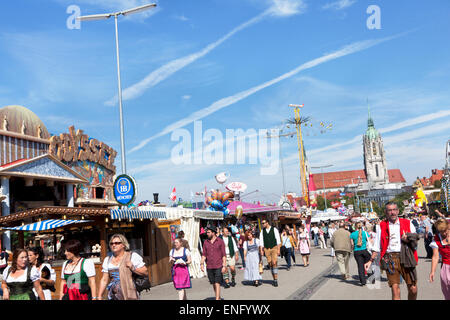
(88, 267)
(276, 233)
(227, 249)
(47, 292)
(173, 254)
(286, 242)
(315, 230)
(394, 237)
(136, 261)
(255, 241)
(433, 244)
(34, 275)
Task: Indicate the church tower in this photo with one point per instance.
(374, 157)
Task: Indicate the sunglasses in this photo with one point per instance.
(115, 243)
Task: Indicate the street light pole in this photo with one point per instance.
(107, 16)
(323, 181)
(122, 140)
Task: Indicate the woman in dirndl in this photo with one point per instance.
(304, 245)
(21, 278)
(77, 274)
(252, 259)
(118, 271)
(180, 258)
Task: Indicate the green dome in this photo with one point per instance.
(371, 132)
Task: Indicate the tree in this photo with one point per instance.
(399, 200)
(437, 184)
(321, 203)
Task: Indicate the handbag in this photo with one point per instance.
(141, 283)
(261, 267)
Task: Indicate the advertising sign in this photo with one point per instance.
(237, 187)
(124, 190)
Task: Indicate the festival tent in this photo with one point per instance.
(190, 224)
(252, 207)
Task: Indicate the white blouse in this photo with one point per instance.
(34, 275)
(136, 260)
(88, 267)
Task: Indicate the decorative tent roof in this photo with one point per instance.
(51, 210)
(21, 120)
(253, 208)
(42, 167)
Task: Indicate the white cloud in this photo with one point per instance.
(173, 66)
(225, 102)
(280, 8)
(339, 5)
(285, 8)
(186, 97)
(181, 18)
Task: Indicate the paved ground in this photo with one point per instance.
(338, 289)
(289, 282)
(319, 281)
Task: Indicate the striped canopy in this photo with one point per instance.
(138, 214)
(46, 225)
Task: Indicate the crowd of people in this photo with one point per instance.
(389, 245)
(29, 278)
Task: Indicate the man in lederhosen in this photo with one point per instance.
(270, 243)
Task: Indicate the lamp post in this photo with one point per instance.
(323, 181)
(107, 16)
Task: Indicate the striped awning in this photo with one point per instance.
(46, 225)
(138, 214)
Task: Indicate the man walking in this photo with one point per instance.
(270, 244)
(215, 257)
(390, 235)
(315, 234)
(231, 251)
(342, 245)
(428, 236)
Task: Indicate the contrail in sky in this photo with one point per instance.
(225, 102)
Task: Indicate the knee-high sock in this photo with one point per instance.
(233, 275)
(226, 276)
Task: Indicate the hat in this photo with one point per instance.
(212, 228)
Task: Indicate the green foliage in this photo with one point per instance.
(399, 200)
(321, 203)
(437, 184)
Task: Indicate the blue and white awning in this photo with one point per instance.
(46, 225)
(138, 214)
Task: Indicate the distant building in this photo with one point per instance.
(375, 181)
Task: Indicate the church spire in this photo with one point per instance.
(369, 120)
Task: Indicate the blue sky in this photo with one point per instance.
(236, 64)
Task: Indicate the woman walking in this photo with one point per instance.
(47, 274)
(304, 245)
(180, 258)
(77, 274)
(331, 230)
(252, 259)
(359, 246)
(322, 241)
(20, 278)
(118, 270)
(441, 246)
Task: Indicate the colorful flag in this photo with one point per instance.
(173, 195)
